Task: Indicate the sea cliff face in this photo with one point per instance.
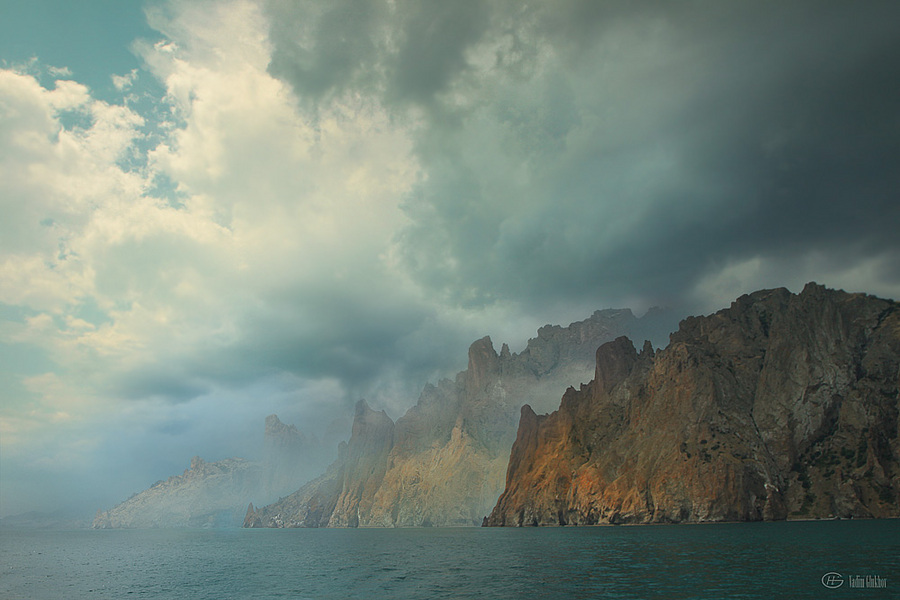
(781, 406)
(443, 462)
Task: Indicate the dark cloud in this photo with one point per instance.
(169, 381)
(322, 49)
(409, 51)
(373, 342)
(431, 46)
(643, 146)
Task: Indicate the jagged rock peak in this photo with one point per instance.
(274, 426)
(484, 363)
(368, 424)
(251, 519)
(287, 439)
(814, 289)
(599, 317)
(365, 412)
(615, 361)
(556, 345)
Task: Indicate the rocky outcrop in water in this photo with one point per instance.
(443, 462)
(781, 406)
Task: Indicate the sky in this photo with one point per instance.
(214, 211)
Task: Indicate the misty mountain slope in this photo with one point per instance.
(215, 494)
(205, 495)
(336, 498)
(781, 406)
(290, 458)
(443, 462)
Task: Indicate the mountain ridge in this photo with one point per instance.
(780, 406)
(442, 463)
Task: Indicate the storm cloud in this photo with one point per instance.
(585, 150)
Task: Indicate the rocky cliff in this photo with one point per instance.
(215, 494)
(781, 406)
(443, 462)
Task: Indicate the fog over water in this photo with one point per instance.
(215, 211)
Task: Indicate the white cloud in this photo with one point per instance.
(124, 82)
(59, 71)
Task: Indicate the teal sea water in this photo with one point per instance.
(752, 560)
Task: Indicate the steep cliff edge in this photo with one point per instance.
(781, 406)
(443, 462)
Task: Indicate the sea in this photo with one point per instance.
(857, 559)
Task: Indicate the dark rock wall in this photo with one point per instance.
(781, 406)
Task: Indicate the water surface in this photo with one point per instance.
(752, 560)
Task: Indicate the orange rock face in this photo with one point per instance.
(782, 406)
